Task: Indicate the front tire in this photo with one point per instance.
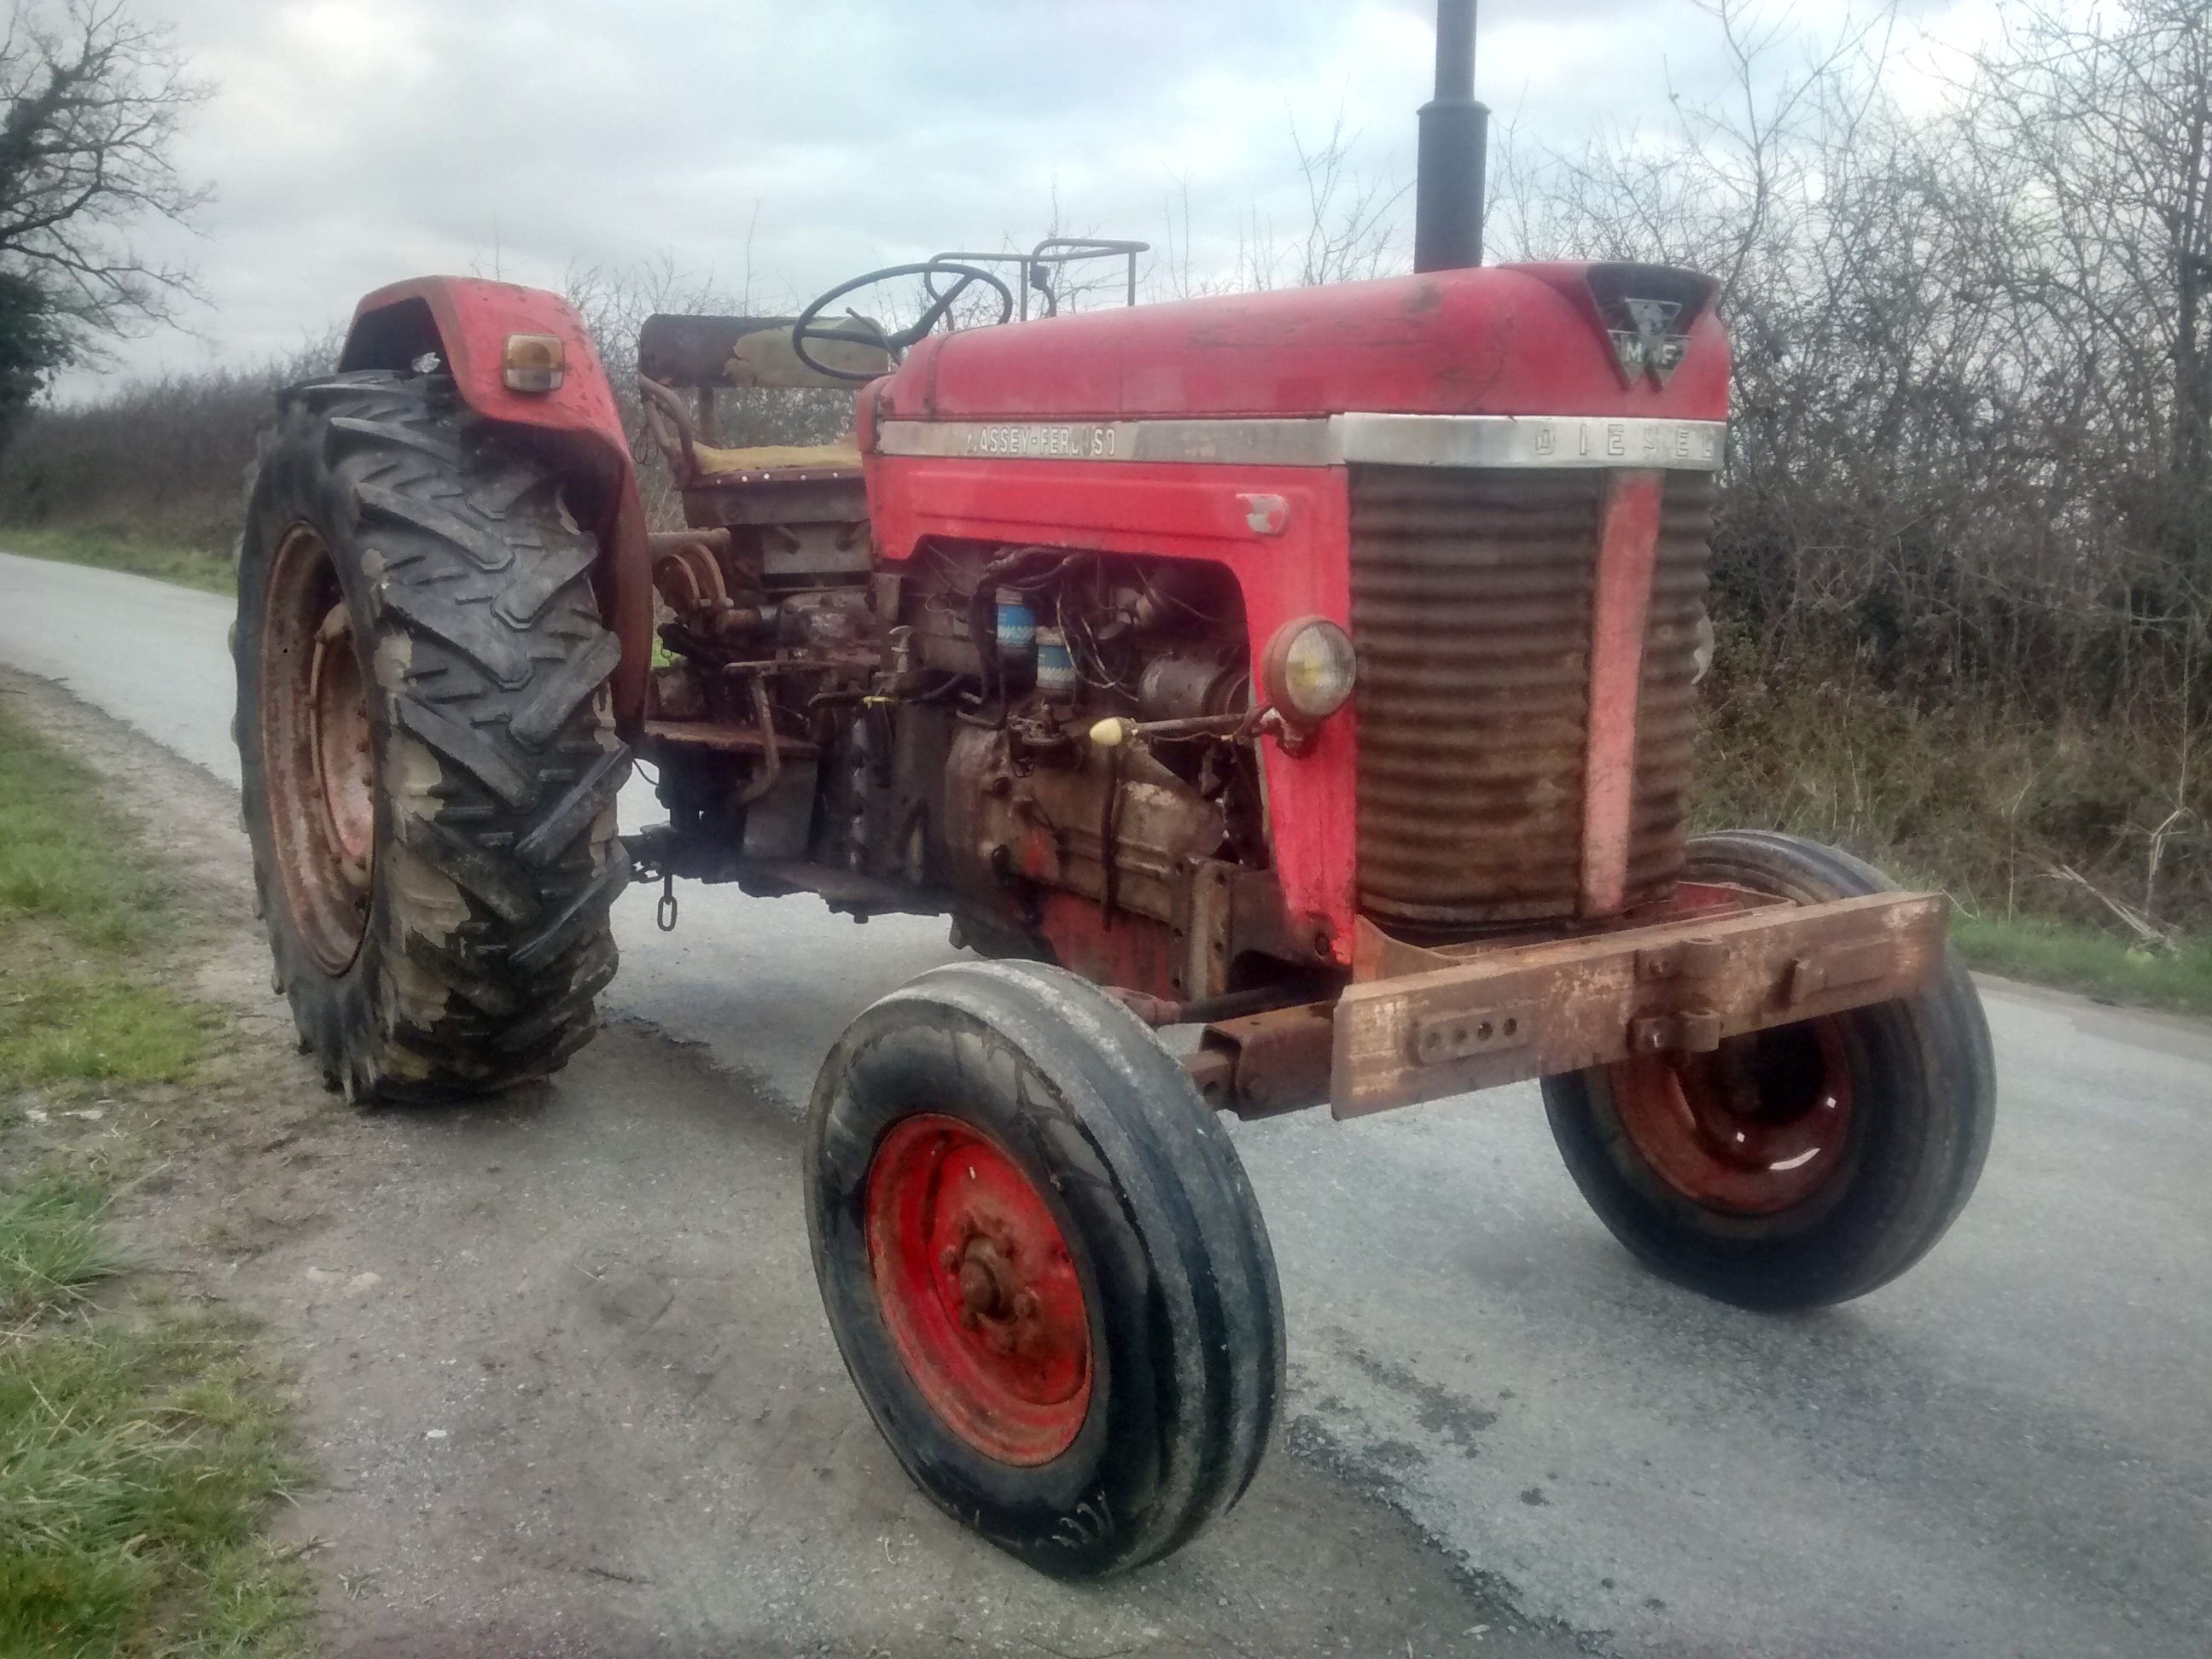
(429, 757)
(1043, 1265)
(1799, 1166)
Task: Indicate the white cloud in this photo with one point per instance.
(354, 141)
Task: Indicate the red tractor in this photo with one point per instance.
(1314, 671)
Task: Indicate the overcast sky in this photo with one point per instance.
(354, 141)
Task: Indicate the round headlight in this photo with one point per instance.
(1308, 669)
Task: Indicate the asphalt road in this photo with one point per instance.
(2006, 1452)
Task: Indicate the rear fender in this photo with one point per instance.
(466, 322)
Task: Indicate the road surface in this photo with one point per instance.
(2006, 1452)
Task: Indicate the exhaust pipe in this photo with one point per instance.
(1455, 138)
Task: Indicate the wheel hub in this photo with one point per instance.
(1752, 1129)
(318, 758)
(978, 1290)
(343, 765)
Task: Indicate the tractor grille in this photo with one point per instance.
(1471, 595)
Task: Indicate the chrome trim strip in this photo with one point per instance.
(1462, 441)
(1527, 441)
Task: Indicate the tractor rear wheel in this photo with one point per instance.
(1043, 1265)
(1801, 1166)
(429, 757)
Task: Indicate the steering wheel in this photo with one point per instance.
(857, 331)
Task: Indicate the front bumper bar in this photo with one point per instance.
(1485, 1016)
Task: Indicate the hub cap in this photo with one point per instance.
(318, 761)
(977, 1289)
(1752, 1129)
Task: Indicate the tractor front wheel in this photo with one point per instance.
(1796, 1166)
(1043, 1265)
(428, 758)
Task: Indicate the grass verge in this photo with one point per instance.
(187, 567)
(137, 1460)
(2074, 958)
(78, 915)
(141, 1449)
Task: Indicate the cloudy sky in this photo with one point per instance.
(354, 141)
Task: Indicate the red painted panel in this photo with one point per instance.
(1192, 512)
(1501, 340)
(1628, 543)
(474, 318)
(1134, 952)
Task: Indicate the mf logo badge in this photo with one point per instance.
(1648, 345)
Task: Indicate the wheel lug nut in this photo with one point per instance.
(1025, 1305)
(948, 1258)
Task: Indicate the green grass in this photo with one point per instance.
(75, 904)
(2080, 959)
(136, 1465)
(187, 567)
(50, 1248)
(67, 856)
(64, 1032)
(140, 1451)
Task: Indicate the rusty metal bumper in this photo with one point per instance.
(1506, 1013)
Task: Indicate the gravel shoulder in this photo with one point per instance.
(561, 1360)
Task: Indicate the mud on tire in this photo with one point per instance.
(429, 757)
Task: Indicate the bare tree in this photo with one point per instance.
(1969, 489)
(94, 102)
(1351, 218)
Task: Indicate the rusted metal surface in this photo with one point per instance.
(1755, 1127)
(844, 890)
(1620, 605)
(317, 765)
(1666, 719)
(1113, 814)
(721, 737)
(1471, 612)
(669, 424)
(1262, 1064)
(686, 572)
(1124, 948)
(344, 765)
(1472, 608)
(978, 1290)
(1376, 955)
(1504, 1015)
(743, 351)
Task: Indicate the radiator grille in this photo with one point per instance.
(1471, 610)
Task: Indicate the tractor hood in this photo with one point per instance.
(1598, 340)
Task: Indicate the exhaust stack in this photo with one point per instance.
(1455, 138)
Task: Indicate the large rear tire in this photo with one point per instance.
(1799, 1166)
(1043, 1265)
(428, 757)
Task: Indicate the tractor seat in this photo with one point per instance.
(843, 456)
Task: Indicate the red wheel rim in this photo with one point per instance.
(978, 1290)
(318, 769)
(341, 746)
(1752, 1129)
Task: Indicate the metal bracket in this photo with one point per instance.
(1692, 1031)
(1683, 959)
(1844, 964)
(1442, 1037)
